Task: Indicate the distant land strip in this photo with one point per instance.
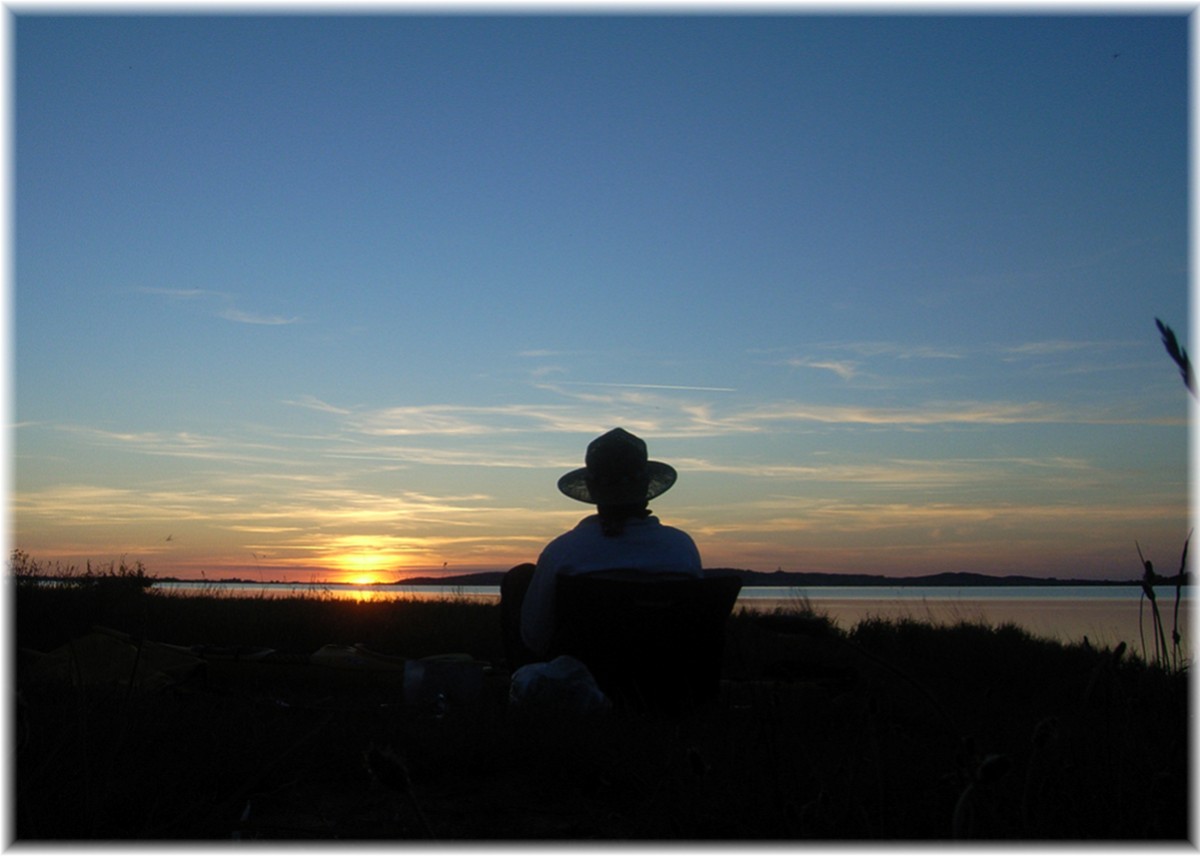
(754, 579)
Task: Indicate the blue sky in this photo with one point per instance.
(341, 296)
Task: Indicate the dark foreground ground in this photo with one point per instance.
(894, 732)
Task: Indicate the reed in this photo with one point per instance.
(1172, 657)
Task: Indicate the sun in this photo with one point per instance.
(366, 559)
(364, 567)
(364, 579)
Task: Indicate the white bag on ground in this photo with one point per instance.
(563, 683)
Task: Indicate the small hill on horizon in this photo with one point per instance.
(752, 578)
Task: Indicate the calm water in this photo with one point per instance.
(1106, 615)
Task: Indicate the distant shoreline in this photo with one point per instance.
(751, 578)
(755, 579)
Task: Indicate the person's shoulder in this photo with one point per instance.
(655, 522)
(668, 534)
(583, 530)
(585, 524)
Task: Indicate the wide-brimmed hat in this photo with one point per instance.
(617, 472)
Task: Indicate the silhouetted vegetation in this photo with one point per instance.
(115, 576)
(1170, 657)
(1178, 354)
(892, 731)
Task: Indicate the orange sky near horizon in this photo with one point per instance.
(895, 540)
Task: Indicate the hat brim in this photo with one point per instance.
(574, 484)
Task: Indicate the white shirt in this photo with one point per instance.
(645, 544)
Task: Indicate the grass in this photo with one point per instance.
(1171, 657)
(894, 731)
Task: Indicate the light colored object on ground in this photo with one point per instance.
(563, 684)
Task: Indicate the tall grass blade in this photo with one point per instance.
(1178, 354)
(1162, 654)
(1175, 638)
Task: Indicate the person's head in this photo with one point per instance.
(617, 474)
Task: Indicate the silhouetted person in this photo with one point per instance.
(622, 534)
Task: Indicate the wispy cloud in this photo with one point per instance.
(845, 369)
(229, 312)
(488, 456)
(439, 420)
(187, 445)
(893, 349)
(822, 516)
(827, 355)
(949, 413)
(645, 386)
(91, 505)
(445, 419)
(1044, 472)
(662, 413)
(869, 364)
(311, 527)
(234, 315)
(926, 351)
(182, 293)
(1039, 348)
(324, 504)
(1048, 347)
(307, 401)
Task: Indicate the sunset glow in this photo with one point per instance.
(364, 561)
(365, 579)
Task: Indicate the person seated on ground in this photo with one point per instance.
(619, 478)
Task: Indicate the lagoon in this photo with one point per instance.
(1105, 615)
